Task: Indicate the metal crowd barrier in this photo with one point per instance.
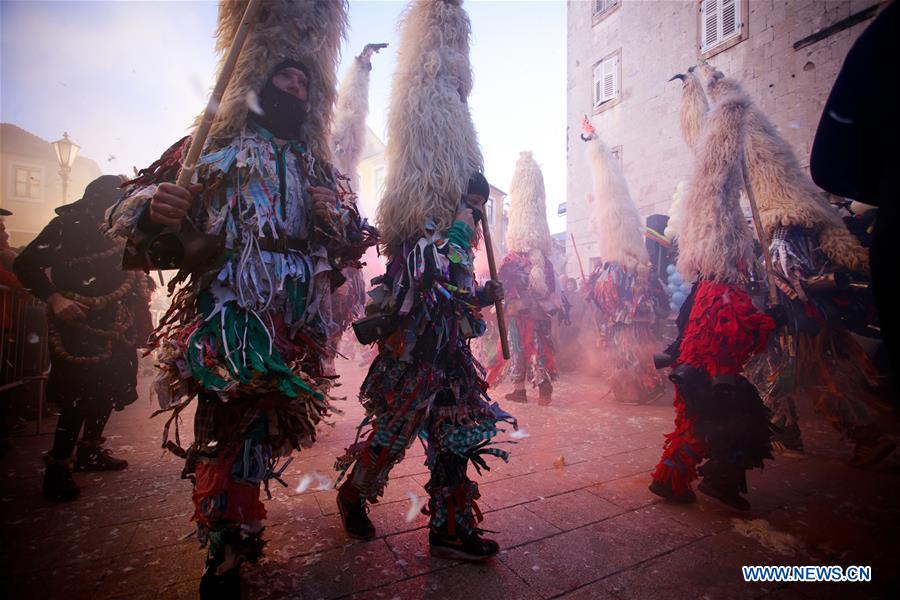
(24, 355)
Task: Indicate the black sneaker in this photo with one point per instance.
(469, 546)
(58, 483)
(731, 498)
(517, 396)
(663, 490)
(97, 458)
(355, 517)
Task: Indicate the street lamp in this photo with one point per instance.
(66, 151)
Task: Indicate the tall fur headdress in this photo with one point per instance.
(615, 218)
(785, 194)
(348, 136)
(432, 147)
(715, 240)
(528, 229)
(308, 31)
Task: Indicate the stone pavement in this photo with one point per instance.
(571, 510)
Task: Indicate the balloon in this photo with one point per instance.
(669, 232)
(673, 307)
(676, 277)
(670, 269)
(678, 297)
(686, 287)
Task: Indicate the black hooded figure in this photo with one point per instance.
(98, 315)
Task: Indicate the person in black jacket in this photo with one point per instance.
(97, 314)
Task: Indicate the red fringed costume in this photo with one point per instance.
(718, 414)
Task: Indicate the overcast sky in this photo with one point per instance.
(125, 79)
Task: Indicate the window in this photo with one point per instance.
(606, 80)
(721, 22)
(601, 8)
(27, 182)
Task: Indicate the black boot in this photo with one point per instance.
(664, 490)
(545, 393)
(220, 586)
(58, 483)
(461, 546)
(517, 396)
(91, 456)
(354, 514)
(723, 491)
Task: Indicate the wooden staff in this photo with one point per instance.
(498, 305)
(199, 139)
(760, 233)
(578, 256)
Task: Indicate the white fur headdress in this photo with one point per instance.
(308, 31)
(528, 229)
(432, 148)
(785, 195)
(348, 136)
(715, 241)
(614, 217)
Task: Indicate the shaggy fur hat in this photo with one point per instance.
(715, 241)
(306, 31)
(614, 218)
(348, 136)
(528, 229)
(432, 147)
(785, 194)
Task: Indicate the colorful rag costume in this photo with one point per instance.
(425, 383)
(246, 334)
(720, 421)
(627, 308)
(529, 320)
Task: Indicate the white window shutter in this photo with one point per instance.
(709, 23)
(610, 83)
(731, 22)
(598, 84)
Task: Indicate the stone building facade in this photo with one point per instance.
(621, 54)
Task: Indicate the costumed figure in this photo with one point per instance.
(529, 285)
(817, 264)
(626, 296)
(719, 417)
(348, 140)
(425, 382)
(266, 228)
(98, 316)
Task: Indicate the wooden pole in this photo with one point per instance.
(199, 140)
(578, 256)
(760, 233)
(498, 305)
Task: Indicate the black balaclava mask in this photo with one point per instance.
(283, 113)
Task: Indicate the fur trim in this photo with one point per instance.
(785, 194)
(528, 229)
(694, 107)
(614, 217)
(348, 136)
(308, 31)
(537, 276)
(715, 241)
(432, 148)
